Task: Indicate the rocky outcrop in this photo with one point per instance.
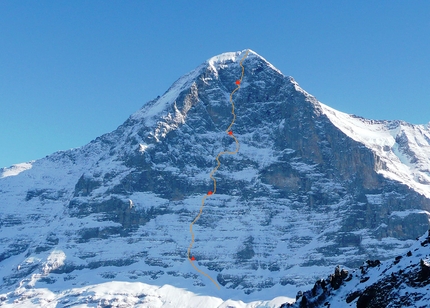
(403, 282)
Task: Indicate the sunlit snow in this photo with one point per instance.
(129, 294)
(15, 169)
(404, 148)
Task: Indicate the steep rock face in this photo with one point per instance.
(300, 194)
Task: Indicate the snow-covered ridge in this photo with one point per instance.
(127, 294)
(152, 111)
(404, 148)
(15, 169)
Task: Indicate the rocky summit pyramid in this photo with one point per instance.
(310, 188)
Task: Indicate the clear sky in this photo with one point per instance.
(73, 70)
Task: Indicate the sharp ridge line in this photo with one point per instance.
(215, 170)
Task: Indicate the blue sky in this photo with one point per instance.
(73, 70)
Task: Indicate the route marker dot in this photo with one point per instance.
(210, 192)
(230, 133)
(193, 259)
(238, 82)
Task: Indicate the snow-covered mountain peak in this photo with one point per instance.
(237, 56)
(252, 58)
(305, 191)
(163, 114)
(224, 58)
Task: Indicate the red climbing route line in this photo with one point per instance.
(211, 175)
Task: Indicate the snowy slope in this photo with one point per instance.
(125, 294)
(403, 148)
(15, 169)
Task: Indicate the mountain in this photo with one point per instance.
(401, 282)
(309, 188)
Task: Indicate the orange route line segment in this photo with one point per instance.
(231, 96)
(230, 133)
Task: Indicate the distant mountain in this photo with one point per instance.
(310, 188)
(401, 282)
